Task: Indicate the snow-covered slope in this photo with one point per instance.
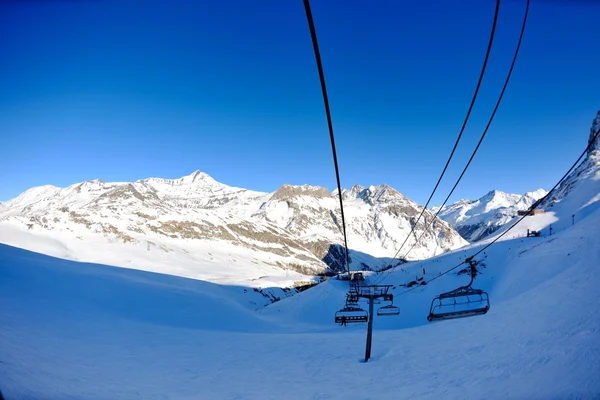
(477, 219)
(185, 226)
(74, 330)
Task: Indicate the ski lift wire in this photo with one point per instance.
(313, 35)
(484, 131)
(481, 74)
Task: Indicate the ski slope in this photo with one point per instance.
(214, 261)
(88, 331)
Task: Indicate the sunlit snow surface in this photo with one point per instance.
(86, 331)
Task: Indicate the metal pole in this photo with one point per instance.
(369, 329)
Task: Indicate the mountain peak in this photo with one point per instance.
(385, 190)
(195, 178)
(352, 193)
(87, 186)
(536, 194)
(287, 191)
(493, 193)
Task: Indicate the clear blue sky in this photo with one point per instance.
(124, 90)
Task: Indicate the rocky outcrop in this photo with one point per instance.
(594, 134)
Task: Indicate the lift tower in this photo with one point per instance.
(372, 293)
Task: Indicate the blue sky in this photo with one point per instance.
(124, 90)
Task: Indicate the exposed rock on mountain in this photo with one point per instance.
(593, 133)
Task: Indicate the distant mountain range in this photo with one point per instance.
(477, 219)
(185, 223)
(197, 227)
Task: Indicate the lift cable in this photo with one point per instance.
(313, 35)
(484, 131)
(481, 74)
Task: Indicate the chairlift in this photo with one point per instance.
(351, 313)
(352, 297)
(390, 309)
(462, 302)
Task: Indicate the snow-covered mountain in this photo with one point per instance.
(477, 219)
(185, 226)
(378, 218)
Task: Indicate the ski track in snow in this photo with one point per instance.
(84, 331)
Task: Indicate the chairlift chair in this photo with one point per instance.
(352, 313)
(390, 309)
(462, 302)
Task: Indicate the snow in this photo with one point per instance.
(191, 259)
(88, 331)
